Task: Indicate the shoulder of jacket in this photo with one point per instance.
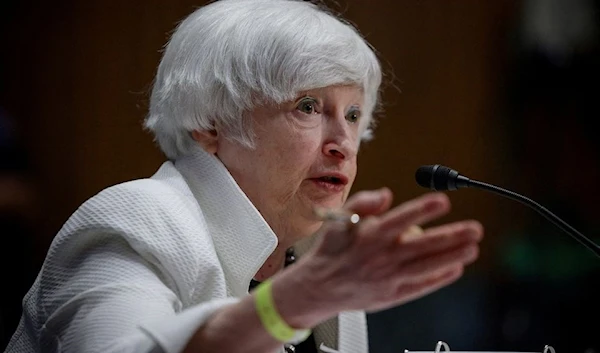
(145, 193)
(142, 206)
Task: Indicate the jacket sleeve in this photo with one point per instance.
(132, 270)
(125, 308)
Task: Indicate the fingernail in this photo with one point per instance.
(470, 252)
(383, 192)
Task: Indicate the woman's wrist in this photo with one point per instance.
(299, 298)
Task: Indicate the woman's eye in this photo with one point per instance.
(353, 116)
(307, 106)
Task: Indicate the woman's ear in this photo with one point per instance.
(208, 139)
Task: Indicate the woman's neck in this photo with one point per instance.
(288, 233)
(274, 263)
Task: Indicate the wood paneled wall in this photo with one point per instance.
(76, 76)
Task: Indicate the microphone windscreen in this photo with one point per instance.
(424, 175)
(436, 177)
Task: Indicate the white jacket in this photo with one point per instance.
(140, 266)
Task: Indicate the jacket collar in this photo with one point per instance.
(242, 238)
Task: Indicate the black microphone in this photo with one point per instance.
(440, 178)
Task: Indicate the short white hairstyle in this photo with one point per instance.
(230, 56)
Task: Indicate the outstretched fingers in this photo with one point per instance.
(439, 240)
(411, 291)
(474, 228)
(428, 266)
(416, 211)
(366, 203)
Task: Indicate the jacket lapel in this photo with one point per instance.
(243, 242)
(353, 337)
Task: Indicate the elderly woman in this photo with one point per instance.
(260, 107)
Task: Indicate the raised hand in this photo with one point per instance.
(382, 261)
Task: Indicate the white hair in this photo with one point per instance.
(229, 56)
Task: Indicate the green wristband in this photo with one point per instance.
(270, 318)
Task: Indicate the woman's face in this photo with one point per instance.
(304, 157)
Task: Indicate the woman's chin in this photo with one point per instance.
(332, 202)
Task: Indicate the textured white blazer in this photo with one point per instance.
(140, 266)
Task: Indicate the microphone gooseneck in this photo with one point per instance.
(440, 178)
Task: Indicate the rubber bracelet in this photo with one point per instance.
(270, 318)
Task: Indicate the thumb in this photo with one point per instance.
(370, 202)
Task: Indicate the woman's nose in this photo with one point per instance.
(340, 144)
(336, 151)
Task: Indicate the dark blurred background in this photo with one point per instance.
(503, 91)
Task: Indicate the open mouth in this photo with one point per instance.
(331, 183)
(331, 180)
